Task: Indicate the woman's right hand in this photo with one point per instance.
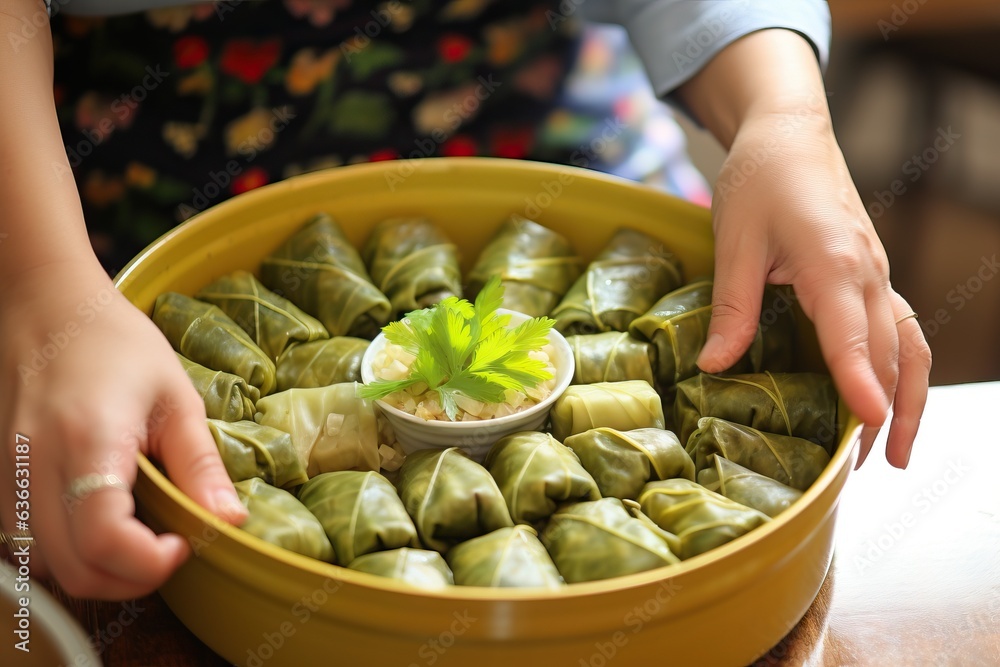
(90, 381)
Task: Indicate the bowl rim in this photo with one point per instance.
(564, 377)
(842, 460)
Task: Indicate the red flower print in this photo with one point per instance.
(248, 60)
(190, 51)
(460, 146)
(512, 143)
(454, 48)
(248, 180)
(383, 155)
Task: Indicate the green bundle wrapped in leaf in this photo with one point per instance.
(612, 357)
(450, 497)
(619, 405)
(621, 462)
(322, 273)
(360, 513)
(600, 540)
(228, 397)
(536, 266)
(413, 263)
(792, 461)
(249, 449)
(205, 335)
(321, 363)
(747, 487)
(799, 404)
(276, 516)
(331, 427)
(701, 519)
(536, 473)
(272, 321)
(621, 284)
(416, 567)
(678, 325)
(505, 558)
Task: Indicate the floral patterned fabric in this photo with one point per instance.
(167, 112)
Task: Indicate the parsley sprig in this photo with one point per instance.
(467, 350)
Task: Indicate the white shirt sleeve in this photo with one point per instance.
(676, 38)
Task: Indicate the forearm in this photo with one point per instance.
(42, 219)
(764, 74)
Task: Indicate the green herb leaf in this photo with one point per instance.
(468, 350)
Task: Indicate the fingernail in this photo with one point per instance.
(713, 346)
(227, 504)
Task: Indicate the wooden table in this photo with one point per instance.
(915, 579)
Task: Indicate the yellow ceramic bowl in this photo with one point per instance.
(256, 604)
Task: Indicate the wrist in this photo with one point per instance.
(762, 76)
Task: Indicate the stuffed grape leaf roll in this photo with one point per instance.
(678, 326)
(321, 363)
(622, 283)
(600, 540)
(360, 512)
(612, 357)
(205, 335)
(536, 473)
(799, 404)
(417, 567)
(276, 516)
(413, 263)
(792, 461)
(450, 497)
(321, 272)
(747, 487)
(272, 321)
(249, 449)
(621, 462)
(226, 396)
(331, 427)
(505, 558)
(535, 265)
(700, 519)
(619, 405)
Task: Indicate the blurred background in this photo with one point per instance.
(914, 88)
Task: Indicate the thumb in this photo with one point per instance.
(186, 448)
(740, 273)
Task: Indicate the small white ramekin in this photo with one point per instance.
(473, 437)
